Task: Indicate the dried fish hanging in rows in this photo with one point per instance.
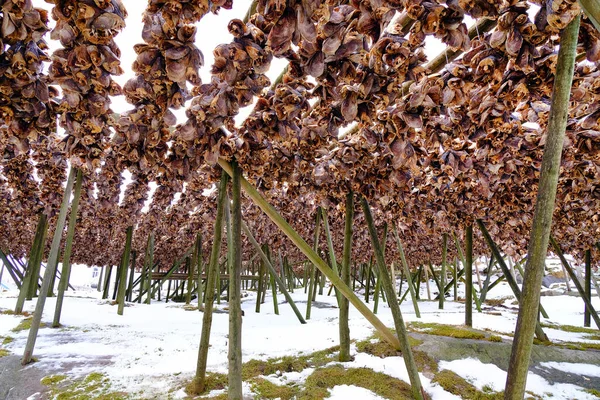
(27, 119)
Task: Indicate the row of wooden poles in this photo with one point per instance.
(263, 274)
(527, 322)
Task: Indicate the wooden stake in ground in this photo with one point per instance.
(150, 252)
(411, 288)
(266, 262)
(50, 270)
(469, 276)
(313, 269)
(211, 273)
(407, 355)
(66, 267)
(313, 257)
(234, 391)
(588, 286)
(34, 257)
(542, 219)
(343, 302)
(123, 272)
(442, 295)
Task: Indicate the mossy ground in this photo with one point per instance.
(265, 389)
(455, 384)
(25, 325)
(594, 392)
(453, 331)
(4, 353)
(7, 340)
(318, 383)
(93, 386)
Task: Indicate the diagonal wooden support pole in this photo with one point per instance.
(407, 355)
(313, 257)
(507, 274)
(50, 270)
(123, 272)
(266, 262)
(411, 287)
(66, 264)
(580, 288)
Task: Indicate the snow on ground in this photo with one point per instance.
(153, 348)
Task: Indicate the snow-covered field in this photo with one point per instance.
(151, 351)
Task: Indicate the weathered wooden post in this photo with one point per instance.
(343, 302)
(211, 274)
(150, 268)
(34, 258)
(588, 287)
(123, 271)
(442, 295)
(50, 270)
(469, 276)
(542, 219)
(66, 267)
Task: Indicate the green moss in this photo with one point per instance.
(455, 384)
(322, 379)
(580, 346)
(268, 390)
(94, 386)
(25, 325)
(377, 346)
(495, 338)
(212, 381)
(496, 302)
(570, 328)
(7, 312)
(445, 330)
(594, 392)
(4, 353)
(7, 340)
(424, 362)
(254, 368)
(52, 380)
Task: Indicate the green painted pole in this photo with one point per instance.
(542, 218)
(66, 267)
(123, 272)
(407, 355)
(212, 273)
(50, 270)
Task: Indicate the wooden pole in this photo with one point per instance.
(36, 263)
(266, 262)
(313, 269)
(50, 270)
(576, 282)
(411, 288)
(100, 276)
(542, 219)
(486, 285)
(198, 262)
(34, 253)
(131, 275)
(442, 295)
(66, 264)
(150, 250)
(539, 332)
(331, 251)
(123, 271)
(407, 355)
(343, 302)
(107, 282)
(588, 287)
(469, 276)
(261, 277)
(313, 257)
(234, 391)
(212, 272)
